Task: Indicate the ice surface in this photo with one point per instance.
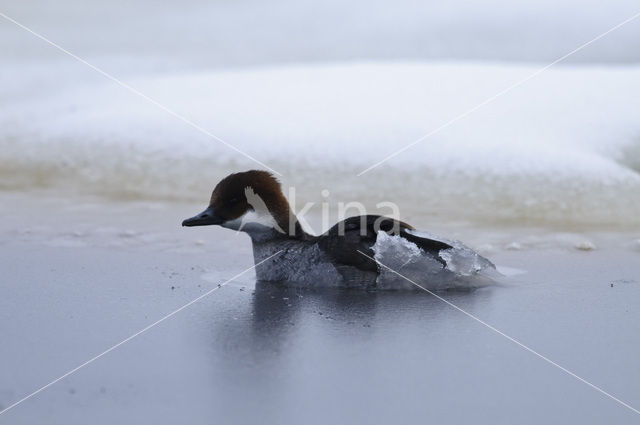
(286, 352)
(251, 353)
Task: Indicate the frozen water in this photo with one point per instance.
(465, 269)
(262, 353)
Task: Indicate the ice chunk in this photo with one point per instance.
(406, 266)
(460, 258)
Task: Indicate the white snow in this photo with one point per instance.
(556, 146)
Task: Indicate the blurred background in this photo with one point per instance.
(320, 91)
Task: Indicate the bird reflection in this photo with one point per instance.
(279, 310)
(281, 319)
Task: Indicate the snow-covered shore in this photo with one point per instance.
(563, 146)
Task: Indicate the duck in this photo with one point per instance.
(363, 251)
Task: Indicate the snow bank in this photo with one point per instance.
(564, 146)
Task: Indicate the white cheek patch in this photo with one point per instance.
(256, 220)
(252, 221)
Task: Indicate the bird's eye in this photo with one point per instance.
(234, 201)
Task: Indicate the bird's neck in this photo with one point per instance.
(279, 222)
